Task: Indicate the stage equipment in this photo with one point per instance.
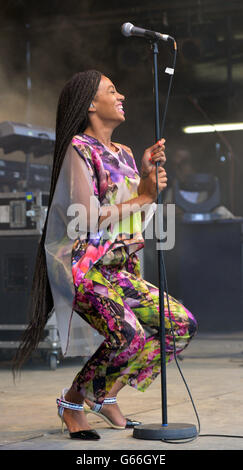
(230, 154)
(22, 217)
(17, 261)
(197, 184)
(13, 175)
(27, 138)
(206, 273)
(22, 213)
(128, 29)
(33, 141)
(166, 431)
(234, 126)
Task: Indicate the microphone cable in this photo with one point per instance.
(170, 71)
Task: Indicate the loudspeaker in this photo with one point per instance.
(205, 272)
(17, 262)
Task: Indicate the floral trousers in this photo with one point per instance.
(119, 304)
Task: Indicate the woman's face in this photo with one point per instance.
(108, 103)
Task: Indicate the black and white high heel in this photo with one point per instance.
(96, 410)
(87, 434)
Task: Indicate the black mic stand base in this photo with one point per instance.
(172, 431)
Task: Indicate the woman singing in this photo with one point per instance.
(91, 276)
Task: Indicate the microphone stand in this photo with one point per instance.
(166, 430)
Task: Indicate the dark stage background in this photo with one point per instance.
(44, 43)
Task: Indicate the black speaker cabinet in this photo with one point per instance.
(17, 262)
(205, 272)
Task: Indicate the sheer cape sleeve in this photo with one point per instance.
(74, 186)
(91, 180)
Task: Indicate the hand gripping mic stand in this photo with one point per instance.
(165, 431)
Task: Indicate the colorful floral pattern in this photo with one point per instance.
(115, 179)
(109, 292)
(117, 302)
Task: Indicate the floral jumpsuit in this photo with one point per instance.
(110, 293)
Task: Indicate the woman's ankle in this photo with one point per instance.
(74, 397)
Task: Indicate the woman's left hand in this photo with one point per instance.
(153, 154)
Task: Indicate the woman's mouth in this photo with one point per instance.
(120, 108)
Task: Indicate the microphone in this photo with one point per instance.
(128, 29)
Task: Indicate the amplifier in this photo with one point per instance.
(205, 271)
(23, 213)
(13, 174)
(34, 142)
(17, 261)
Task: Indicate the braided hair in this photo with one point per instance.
(71, 119)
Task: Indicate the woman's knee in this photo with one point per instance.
(192, 325)
(128, 340)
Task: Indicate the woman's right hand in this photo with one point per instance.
(148, 187)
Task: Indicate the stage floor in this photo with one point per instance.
(212, 366)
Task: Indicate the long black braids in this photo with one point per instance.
(71, 119)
